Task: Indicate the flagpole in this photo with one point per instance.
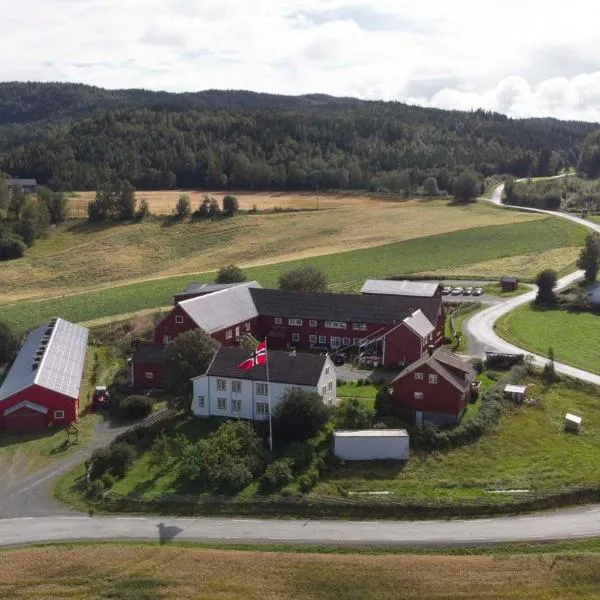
(269, 396)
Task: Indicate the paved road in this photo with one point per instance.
(581, 522)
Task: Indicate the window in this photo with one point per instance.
(201, 401)
(221, 385)
(330, 386)
(178, 319)
(262, 408)
(295, 337)
(312, 323)
(346, 341)
(278, 320)
(359, 326)
(221, 403)
(335, 324)
(296, 389)
(433, 379)
(418, 375)
(357, 341)
(418, 395)
(236, 405)
(312, 339)
(149, 375)
(324, 390)
(295, 322)
(237, 331)
(326, 370)
(228, 334)
(335, 342)
(236, 387)
(247, 326)
(322, 339)
(166, 339)
(262, 389)
(59, 414)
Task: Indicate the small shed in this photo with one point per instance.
(371, 444)
(508, 283)
(572, 422)
(516, 393)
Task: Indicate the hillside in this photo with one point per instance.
(70, 135)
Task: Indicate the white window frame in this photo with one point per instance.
(326, 370)
(295, 322)
(333, 343)
(419, 375)
(432, 379)
(312, 323)
(322, 339)
(167, 339)
(236, 387)
(178, 319)
(149, 375)
(201, 401)
(237, 331)
(262, 408)
(330, 386)
(359, 326)
(312, 339)
(262, 389)
(346, 341)
(221, 385)
(278, 320)
(247, 326)
(221, 403)
(418, 395)
(295, 337)
(229, 334)
(59, 414)
(357, 341)
(324, 390)
(236, 405)
(335, 325)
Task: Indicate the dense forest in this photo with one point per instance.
(73, 136)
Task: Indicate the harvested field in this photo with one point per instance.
(144, 572)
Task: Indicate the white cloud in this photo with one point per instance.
(514, 56)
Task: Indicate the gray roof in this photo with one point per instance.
(206, 288)
(21, 182)
(60, 350)
(284, 367)
(222, 309)
(419, 323)
(343, 307)
(425, 289)
(153, 354)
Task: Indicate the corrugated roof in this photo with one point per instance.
(206, 288)
(342, 307)
(222, 309)
(149, 353)
(419, 323)
(425, 289)
(372, 433)
(60, 360)
(298, 369)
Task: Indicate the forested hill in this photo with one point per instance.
(80, 134)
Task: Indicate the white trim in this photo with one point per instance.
(61, 412)
(26, 404)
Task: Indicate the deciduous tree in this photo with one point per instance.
(589, 258)
(299, 416)
(546, 282)
(230, 274)
(303, 279)
(466, 187)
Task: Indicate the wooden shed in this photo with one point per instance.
(516, 393)
(508, 283)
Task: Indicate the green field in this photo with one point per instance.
(575, 337)
(346, 270)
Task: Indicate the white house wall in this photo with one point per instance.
(328, 376)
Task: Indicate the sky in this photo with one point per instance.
(519, 57)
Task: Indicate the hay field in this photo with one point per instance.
(163, 202)
(82, 256)
(145, 572)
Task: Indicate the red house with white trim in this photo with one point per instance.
(43, 384)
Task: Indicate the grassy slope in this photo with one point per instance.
(575, 337)
(144, 572)
(450, 252)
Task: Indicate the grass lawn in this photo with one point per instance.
(458, 320)
(575, 337)
(137, 571)
(496, 290)
(452, 252)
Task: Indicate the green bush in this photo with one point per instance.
(11, 247)
(278, 473)
(308, 480)
(107, 480)
(478, 365)
(299, 416)
(115, 459)
(301, 454)
(95, 490)
(351, 414)
(135, 407)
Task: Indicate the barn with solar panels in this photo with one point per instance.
(43, 384)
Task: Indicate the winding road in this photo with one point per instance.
(21, 526)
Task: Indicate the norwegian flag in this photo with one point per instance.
(259, 357)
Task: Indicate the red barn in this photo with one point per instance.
(42, 386)
(147, 366)
(434, 389)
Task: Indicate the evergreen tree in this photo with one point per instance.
(589, 258)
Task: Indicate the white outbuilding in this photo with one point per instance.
(572, 422)
(371, 444)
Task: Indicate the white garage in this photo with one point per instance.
(371, 444)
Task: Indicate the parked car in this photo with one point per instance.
(446, 290)
(457, 291)
(477, 291)
(338, 359)
(467, 291)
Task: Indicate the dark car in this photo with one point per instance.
(338, 359)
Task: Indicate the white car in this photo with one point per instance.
(457, 291)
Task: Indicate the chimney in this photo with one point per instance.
(430, 349)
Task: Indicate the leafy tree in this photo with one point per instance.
(34, 221)
(466, 187)
(230, 274)
(299, 415)
(12, 247)
(143, 210)
(589, 258)
(230, 205)
(9, 343)
(384, 404)
(303, 279)
(589, 158)
(56, 203)
(17, 199)
(546, 282)
(135, 407)
(188, 355)
(430, 187)
(126, 201)
(278, 473)
(183, 209)
(116, 459)
(214, 210)
(549, 373)
(351, 414)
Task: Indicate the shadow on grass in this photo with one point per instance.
(10, 439)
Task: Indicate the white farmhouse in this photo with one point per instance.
(227, 391)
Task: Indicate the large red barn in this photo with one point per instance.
(42, 386)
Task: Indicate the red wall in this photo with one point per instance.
(139, 371)
(440, 397)
(403, 345)
(51, 400)
(168, 326)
